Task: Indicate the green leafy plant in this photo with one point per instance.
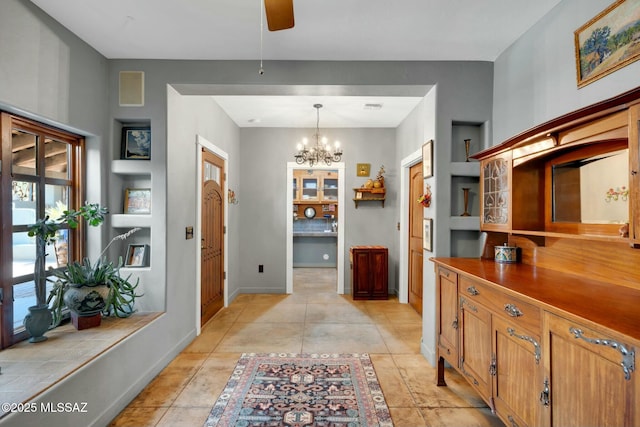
(122, 294)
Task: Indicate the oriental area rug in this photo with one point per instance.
(301, 390)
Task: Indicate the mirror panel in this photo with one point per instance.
(591, 188)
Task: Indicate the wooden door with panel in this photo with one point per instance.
(416, 257)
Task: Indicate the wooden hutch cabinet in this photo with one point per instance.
(369, 272)
(552, 339)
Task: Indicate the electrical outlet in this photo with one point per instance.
(260, 268)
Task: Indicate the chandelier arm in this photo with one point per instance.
(320, 152)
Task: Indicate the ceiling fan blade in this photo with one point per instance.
(279, 14)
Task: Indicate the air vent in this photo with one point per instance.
(372, 106)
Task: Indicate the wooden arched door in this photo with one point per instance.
(212, 238)
(416, 214)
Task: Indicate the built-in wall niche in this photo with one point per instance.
(124, 182)
(460, 131)
(118, 125)
(466, 244)
(119, 246)
(458, 184)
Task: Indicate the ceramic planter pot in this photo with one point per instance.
(37, 322)
(86, 300)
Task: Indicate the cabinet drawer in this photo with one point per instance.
(450, 275)
(515, 309)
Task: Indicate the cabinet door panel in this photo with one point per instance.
(588, 384)
(475, 347)
(518, 382)
(360, 274)
(379, 273)
(448, 316)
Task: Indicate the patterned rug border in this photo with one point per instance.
(370, 396)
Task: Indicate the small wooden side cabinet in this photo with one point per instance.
(369, 272)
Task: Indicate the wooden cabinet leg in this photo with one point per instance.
(440, 373)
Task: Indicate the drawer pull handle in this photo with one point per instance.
(512, 310)
(628, 356)
(472, 291)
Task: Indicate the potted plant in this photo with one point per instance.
(90, 290)
(46, 230)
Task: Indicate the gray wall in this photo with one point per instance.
(264, 154)
(535, 78)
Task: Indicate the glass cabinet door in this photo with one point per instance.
(330, 189)
(309, 189)
(495, 194)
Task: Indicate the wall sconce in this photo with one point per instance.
(232, 197)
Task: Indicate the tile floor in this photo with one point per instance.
(314, 319)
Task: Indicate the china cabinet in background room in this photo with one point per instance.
(315, 187)
(551, 340)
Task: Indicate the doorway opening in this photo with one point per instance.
(327, 217)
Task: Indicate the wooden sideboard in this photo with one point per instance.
(542, 347)
(551, 340)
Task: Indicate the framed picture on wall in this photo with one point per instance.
(427, 159)
(136, 143)
(137, 201)
(427, 234)
(137, 256)
(608, 42)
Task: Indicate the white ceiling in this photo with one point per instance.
(340, 30)
(298, 111)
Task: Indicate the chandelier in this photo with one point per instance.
(322, 152)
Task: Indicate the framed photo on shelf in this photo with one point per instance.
(427, 159)
(137, 256)
(137, 201)
(427, 234)
(607, 42)
(136, 143)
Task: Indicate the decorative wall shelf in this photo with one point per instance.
(369, 195)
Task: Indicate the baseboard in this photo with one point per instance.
(428, 353)
(260, 290)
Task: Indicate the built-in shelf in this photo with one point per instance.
(464, 223)
(128, 220)
(464, 181)
(134, 269)
(470, 168)
(598, 237)
(131, 167)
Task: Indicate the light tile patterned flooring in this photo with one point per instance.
(314, 319)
